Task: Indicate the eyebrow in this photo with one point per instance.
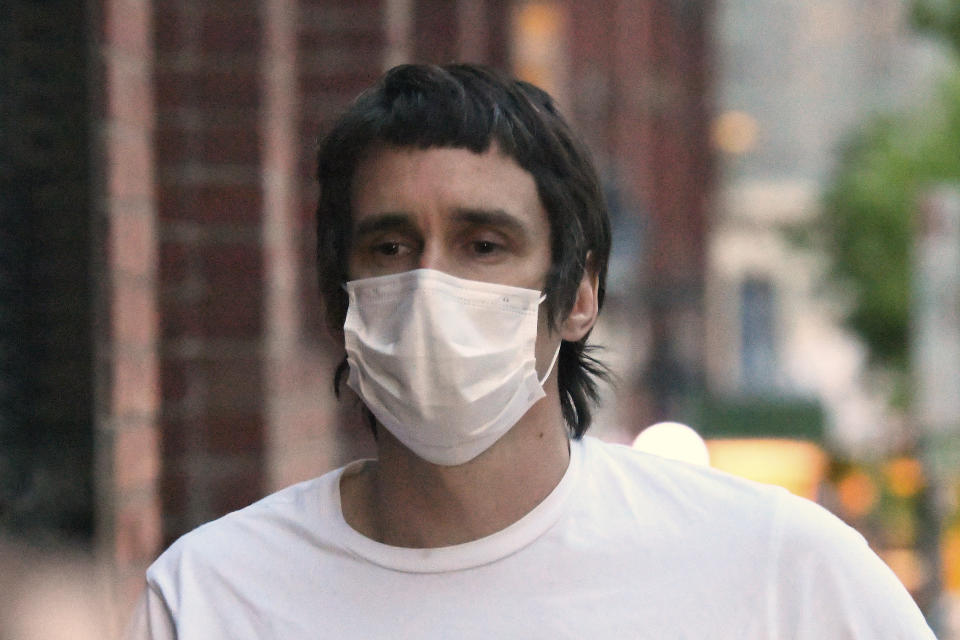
(497, 218)
(382, 222)
(492, 218)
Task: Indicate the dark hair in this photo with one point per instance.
(469, 106)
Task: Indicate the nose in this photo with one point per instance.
(435, 256)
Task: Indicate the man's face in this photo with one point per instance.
(473, 216)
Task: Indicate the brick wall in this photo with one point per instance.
(211, 278)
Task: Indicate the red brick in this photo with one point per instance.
(236, 490)
(230, 310)
(234, 433)
(174, 381)
(137, 532)
(436, 24)
(338, 52)
(346, 83)
(239, 89)
(172, 144)
(236, 314)
(135, 315)
(129, 94)
(170, 28)
(325, 18)
(208, 138)
(211, 203)
(230, 264)
(230, 145)
(135, 384)
(181, 319)
(235, 384)
(127, 25)
(234, 275)
(185, 435)
(175, 261)
(175, 489)
(174, 88)
(136, 456)
(230, 32)
(236, 90)
(133, 238)
(233, 302)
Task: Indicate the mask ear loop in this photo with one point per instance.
(556, 355)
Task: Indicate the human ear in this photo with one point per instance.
(583, 314)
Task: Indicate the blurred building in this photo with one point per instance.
(794, 80)
(164, 359)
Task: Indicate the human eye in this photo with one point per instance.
(392, 253)
(389, 253)
(485, 247)
(384, 243)
(389, 249)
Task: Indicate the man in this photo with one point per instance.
(463, 243)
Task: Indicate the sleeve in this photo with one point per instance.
(828, 583)
(151, 619)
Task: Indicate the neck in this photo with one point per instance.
(402, 500)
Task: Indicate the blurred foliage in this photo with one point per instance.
(866, 225)
(940, 18)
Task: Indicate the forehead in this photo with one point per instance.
(413, 181)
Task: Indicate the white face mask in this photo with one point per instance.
(447, 365)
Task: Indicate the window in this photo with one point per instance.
(758, 351)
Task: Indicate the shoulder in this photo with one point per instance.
(824, 571)
(677, 484)
(267, 531)
(721, 498)
(276, 509)
(708, 507)
(694, 514)
(817, 576)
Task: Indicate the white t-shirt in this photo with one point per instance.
(628, 545)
